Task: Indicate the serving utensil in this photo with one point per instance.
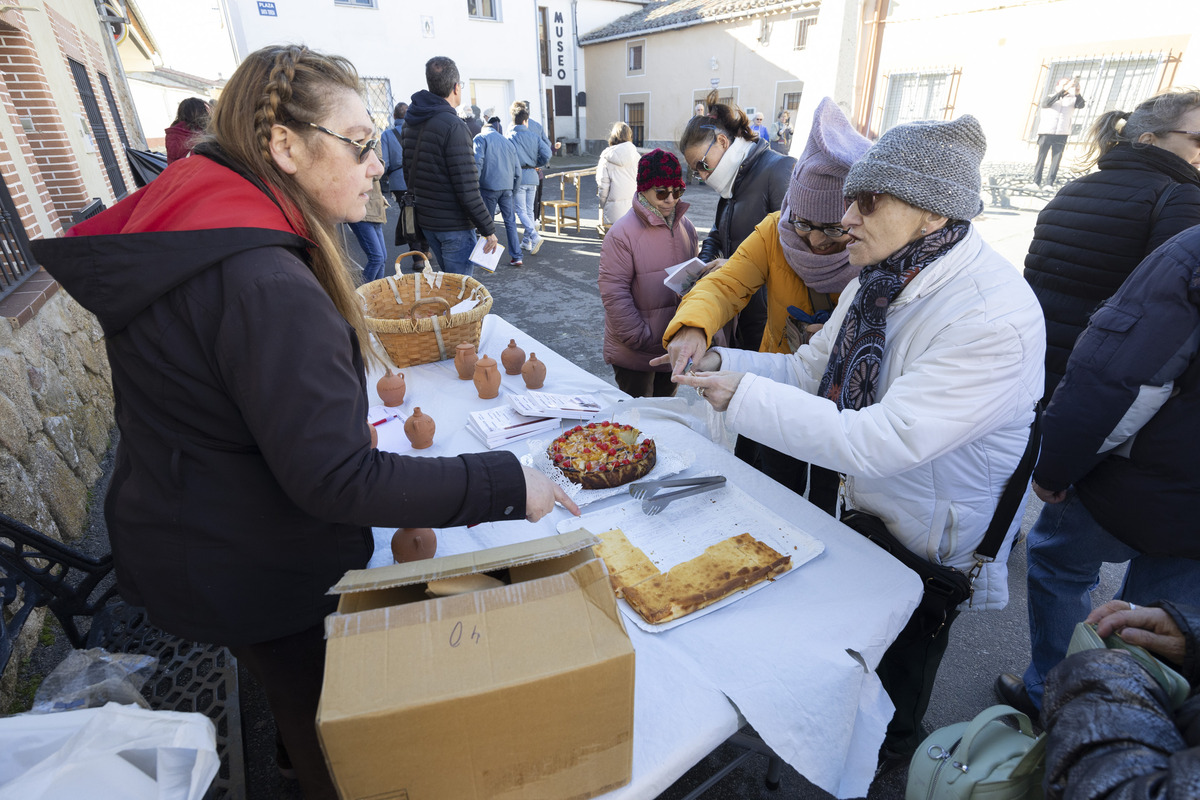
(653, 503)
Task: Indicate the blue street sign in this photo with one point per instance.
(266, 9)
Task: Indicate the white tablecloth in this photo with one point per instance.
(796, 660)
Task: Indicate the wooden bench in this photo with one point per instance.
(36, 570)
(564, 209)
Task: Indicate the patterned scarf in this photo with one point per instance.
(851, 377)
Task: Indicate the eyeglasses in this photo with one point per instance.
(702, 164)
(1194, 134)
(364, 148)
(663, 194)
(832, 231)
(866, 202)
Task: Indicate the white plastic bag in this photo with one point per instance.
(111, 753)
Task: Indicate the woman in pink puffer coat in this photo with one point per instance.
(637, 251)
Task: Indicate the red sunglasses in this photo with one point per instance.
(866, 202)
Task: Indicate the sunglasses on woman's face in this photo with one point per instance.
(702, 164)
(663, 194)
(866, 202)
(832, 231)
(364, 147)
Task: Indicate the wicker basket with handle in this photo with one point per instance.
(410, 314)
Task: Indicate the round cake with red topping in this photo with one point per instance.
(601, 455)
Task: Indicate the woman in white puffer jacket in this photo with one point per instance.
(920, 388)
(616, 176)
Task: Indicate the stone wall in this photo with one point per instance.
(56, 411)
(56, 414)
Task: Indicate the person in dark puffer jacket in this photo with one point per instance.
(439, 168)
(1110, 732)
(1100, 226)
(752, 180)
(1117, 463)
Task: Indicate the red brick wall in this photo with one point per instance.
(76, 47)
(57, 182)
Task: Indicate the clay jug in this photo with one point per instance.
(419, 429)
(391, 388)
(413, 544)
(464, 360)
(534, 372)
(487, 378)
(512, 358)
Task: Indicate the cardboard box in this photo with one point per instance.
(522, 691)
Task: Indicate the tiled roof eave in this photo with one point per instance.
(742, 13)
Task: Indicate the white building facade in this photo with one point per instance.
(505, 50)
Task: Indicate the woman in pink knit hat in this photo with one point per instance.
(650, 237)
(799, 254)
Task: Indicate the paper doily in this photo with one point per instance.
(668, 461)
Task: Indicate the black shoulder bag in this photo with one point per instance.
(947, 587)
(408, 230)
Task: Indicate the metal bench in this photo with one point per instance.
(36, 570)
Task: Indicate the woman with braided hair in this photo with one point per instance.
(245, 483)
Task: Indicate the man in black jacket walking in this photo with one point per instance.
(439, 168)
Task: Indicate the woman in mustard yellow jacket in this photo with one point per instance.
(798, 253)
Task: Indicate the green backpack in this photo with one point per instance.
(983, 759)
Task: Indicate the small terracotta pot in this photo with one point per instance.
(512, 358)
(391, 388)
(534, 372)
(487, 378)
(419, 429)
(413, 544)
(464, 360)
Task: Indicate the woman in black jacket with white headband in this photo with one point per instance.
(752, 180)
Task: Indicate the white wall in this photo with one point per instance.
(391, 41)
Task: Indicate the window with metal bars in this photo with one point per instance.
(99, 133)
(919, 95)
(112, 110)
(16, 262)
(356, 3)
(1117, 81)
(377, 94)
(803, 25)
(635, 118)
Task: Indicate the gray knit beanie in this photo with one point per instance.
(930, 164)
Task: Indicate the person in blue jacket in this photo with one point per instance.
(393, 154)
(533, 151)
(499, 177)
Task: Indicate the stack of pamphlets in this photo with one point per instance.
(499, 426)
(563, 406)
